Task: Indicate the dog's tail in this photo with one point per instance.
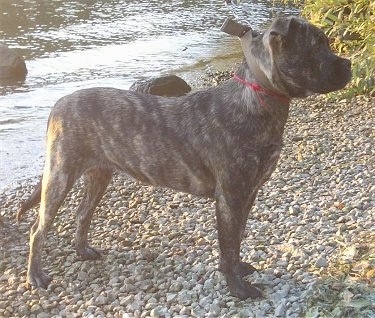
(31, 202)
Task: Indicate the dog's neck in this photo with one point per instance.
(269, 103)
(259, 83)
(261, 89)
(269, 81)
(257, 74)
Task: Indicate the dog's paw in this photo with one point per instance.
(246, 269)
(242, 289)
(37, 280)
(242, 269)
(88, 253)
(245, 291)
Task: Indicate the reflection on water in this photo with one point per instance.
(70, 45)
(58, 26)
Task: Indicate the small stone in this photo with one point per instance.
(175, 287)
(154, 313)
(3, 304)
(285, 290)
(82, 276)
(293, 210)
(135, 306)
(197, 312)
(282, 263)
(171, 297)
(111, 296)
(209, 284)
(215, 309)
(36, 309)
(280, 309)
(12, 66)
(321, 262)
(293, 298)
(114, 280)
(337, 286)
(276, 298)
(184, 298)
(126, 300)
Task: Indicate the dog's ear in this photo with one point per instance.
(282, 29)
(286, 25)
(276, 40)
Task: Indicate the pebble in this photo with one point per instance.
(280, 309)
(154, 313)
(321, 262)
(35, 309)
(171, 297)
(160, 247)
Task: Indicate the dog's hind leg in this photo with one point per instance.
(55, 185)
(96, 181)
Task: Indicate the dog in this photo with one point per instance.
(222, 143)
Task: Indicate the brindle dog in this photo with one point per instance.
(222, 143)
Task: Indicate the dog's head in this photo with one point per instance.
(296, 58)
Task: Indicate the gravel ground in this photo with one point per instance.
(311, 234)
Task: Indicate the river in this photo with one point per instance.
(70, 45)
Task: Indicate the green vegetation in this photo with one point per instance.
(350, 25)
(346, 286)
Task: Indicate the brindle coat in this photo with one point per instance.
(221, 143)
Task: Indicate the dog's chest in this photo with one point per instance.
(271, 161)
(267, 159)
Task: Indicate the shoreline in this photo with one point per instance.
(312, 227)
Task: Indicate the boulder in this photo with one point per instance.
(12, 66)
(169, 85)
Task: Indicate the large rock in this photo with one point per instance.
(12, 66)
(169, 85)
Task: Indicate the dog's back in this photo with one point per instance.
(222, 142)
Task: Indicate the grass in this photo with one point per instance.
(347, 286)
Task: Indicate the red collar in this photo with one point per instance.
(260, 89)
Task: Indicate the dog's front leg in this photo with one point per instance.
(232, 210)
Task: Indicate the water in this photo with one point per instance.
(70, 45)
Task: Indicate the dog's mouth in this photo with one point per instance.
(342, 73)
(338, 78)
